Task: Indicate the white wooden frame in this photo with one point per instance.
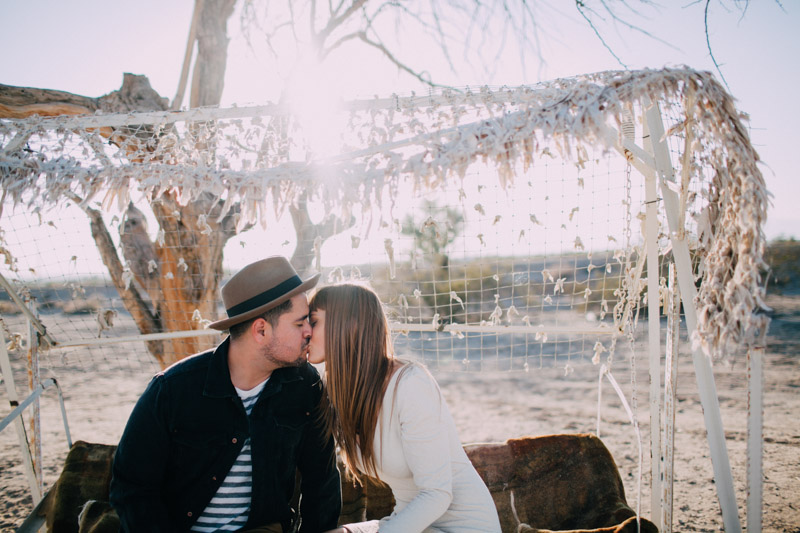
(652, 160)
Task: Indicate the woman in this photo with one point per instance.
(391, 422)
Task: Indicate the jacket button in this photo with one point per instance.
(308, 414)
(233, 440)
(213, 478)
(189, 514)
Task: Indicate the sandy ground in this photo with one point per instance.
(494, 406)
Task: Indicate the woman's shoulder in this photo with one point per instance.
(411, 370)
(414, 391)
(414, 377)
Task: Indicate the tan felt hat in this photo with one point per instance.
(259, 287)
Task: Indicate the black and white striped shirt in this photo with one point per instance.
(229, 508)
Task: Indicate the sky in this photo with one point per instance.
(85, 47)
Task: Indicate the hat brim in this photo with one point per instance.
(222, 325)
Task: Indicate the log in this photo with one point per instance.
(136, 94)
(564, 483)
(86, 476)
(559, 482)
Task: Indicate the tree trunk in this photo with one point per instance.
(191, 267)
(307, 233)
(194, 282)
(212, 52)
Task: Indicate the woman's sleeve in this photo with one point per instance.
(426, 448)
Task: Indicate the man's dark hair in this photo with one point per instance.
(272, 316)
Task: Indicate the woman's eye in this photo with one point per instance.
(313, 323)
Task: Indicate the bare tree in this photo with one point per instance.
(195, 286)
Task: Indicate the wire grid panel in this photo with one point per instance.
(545, 252)
(514, 277)
(57, 269)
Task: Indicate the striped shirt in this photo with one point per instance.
(229, 508)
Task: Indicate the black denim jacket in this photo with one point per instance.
(189, 426)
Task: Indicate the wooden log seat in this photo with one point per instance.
(83, 483)
(559, 483)
(556, 482)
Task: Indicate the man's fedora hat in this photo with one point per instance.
(259, 287)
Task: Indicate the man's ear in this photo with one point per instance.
(261, 330)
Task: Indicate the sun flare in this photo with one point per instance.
(314, 98)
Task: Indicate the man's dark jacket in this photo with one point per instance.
(189, 426)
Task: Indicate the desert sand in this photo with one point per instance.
(491, 406)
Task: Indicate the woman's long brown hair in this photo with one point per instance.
(358, 362)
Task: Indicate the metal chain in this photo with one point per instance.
(628, 204)
(633, 302)
(631, 295)
(621, 322)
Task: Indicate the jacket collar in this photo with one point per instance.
(218, 377)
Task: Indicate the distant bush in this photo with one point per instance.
(81, 306)
(783, 258)
(469, 291)
(8, 307)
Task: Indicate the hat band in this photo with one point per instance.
(265, 297)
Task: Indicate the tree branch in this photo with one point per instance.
(22, 102)
(633, 27)
(340, 41)
(579, 4)
(136, 94)
(335, 10)
(145, 320)
(442, 39)
(187, 57)
(307, 231)
(400, 65)
(312, 16)
(708, 44)
(335, 22)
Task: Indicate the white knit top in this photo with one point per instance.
(419, 455)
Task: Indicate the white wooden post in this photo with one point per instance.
(13, 400)
(673, 308)
(702, 364)
(653, 343)
(34, 379)
(755, 430)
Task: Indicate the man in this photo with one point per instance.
(215, 441)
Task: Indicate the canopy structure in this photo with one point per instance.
(697, 200)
